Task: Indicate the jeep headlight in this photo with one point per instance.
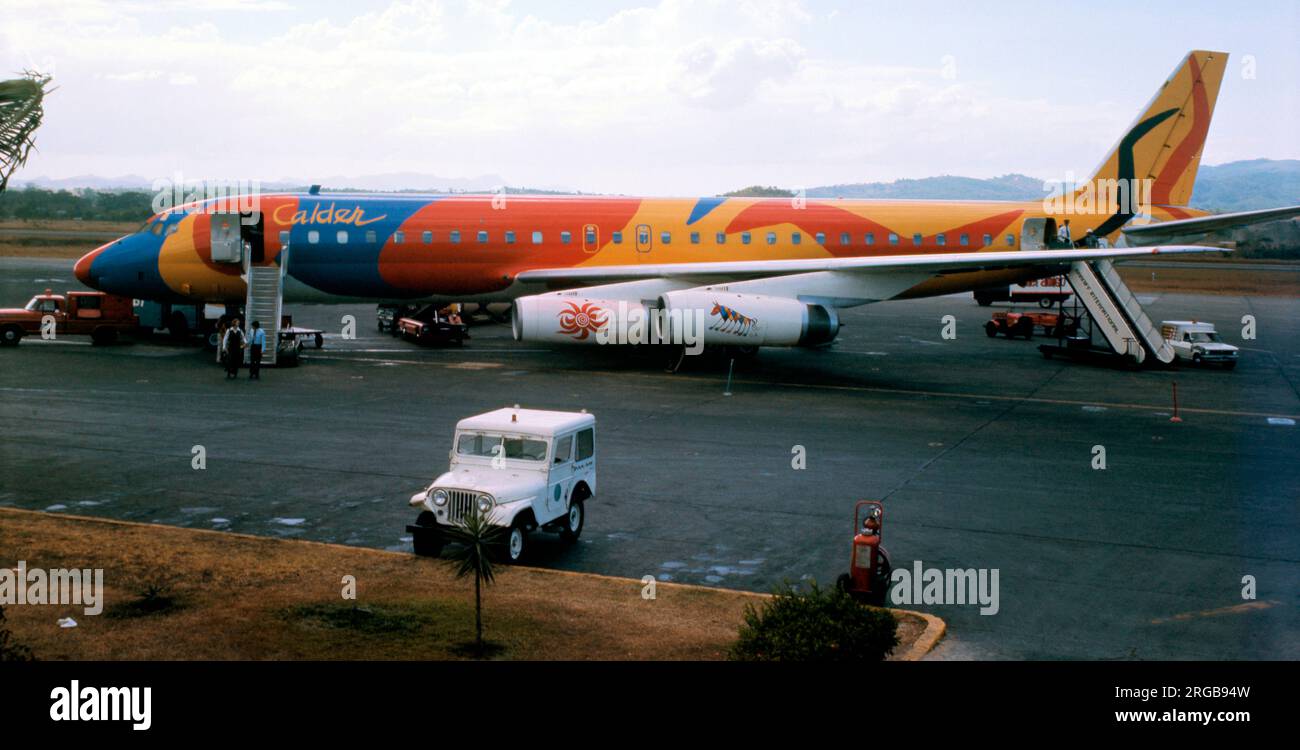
(484, 503)
(439, 497)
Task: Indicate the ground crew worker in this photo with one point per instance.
(1063, 234)
(232, 343)
(1089, 239)
(256, 341)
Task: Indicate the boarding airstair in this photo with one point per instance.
(265, 301)
(1116, 312)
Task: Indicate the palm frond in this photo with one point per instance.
(478, 541)
(21, 113)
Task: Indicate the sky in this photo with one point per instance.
(675, 97)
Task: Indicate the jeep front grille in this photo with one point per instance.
(459, 504)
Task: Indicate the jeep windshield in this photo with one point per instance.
(1203, 337)
(488, 446)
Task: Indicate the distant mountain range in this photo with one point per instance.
(1236, 186)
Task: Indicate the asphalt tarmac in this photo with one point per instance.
(982, 450)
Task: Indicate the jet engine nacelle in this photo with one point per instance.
(751, 319)
(575, 320)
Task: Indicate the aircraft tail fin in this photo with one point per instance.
(1164, 144)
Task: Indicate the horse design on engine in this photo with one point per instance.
(731, 321)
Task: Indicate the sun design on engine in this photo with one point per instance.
(582, 321)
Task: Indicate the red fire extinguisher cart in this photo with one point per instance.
(869, 568)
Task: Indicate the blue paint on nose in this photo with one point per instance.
(128, 267)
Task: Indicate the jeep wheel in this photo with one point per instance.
(10, 335)
(516, 544)
(426, 540)
(573, 526)
(991, 329)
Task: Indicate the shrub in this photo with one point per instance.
(817, 625)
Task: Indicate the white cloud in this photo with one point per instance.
(677, 96)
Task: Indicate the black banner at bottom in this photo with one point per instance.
(316, 699)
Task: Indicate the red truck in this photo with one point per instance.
(1012, 324)
(99, 315)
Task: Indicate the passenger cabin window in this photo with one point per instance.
(586, 444)
(695, 238)
(482, 238)
(566, 237)
(846, 238)
(965, 240)
(771, 238)
(643, 236)
(537, 238)
(988, 240)
(158, 227)
(821, 238)
(342, 236)
(510, 238)
(171, 228)
(744, 238)
(370, 236)
(721, 238)
(941, 239)
(893, 238)
(313, 237)
(796, 238)
(590, 234)
(1011, 240)
(563, 450)
(666, 238)
(398, 238)
(871, 238)
(284, 239)
(916, 240)
(618, 237)
(428, 238)
(454, 236)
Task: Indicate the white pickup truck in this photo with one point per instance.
(1198, 342)
(526, 469)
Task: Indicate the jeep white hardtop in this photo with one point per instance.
(522, 469)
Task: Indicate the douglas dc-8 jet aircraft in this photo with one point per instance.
(764, 272)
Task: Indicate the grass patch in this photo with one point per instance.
(178, 593)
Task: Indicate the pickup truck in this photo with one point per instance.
(99, 315)
(1198, 342)
(431, 326)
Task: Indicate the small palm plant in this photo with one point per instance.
(479, 542)
(20, 114)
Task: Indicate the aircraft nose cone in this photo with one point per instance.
(82, 268)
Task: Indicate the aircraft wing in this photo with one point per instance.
(1166, 231)
(930, 263)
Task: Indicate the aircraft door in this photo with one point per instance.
(225, 239)
(1033, 234)
(644, 240)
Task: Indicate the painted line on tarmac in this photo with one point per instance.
(991, 397)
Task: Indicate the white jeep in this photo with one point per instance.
(526, 469)
(1198, 342)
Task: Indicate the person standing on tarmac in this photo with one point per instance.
(232, 343)
(256, 341)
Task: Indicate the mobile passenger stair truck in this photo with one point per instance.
(1104, 306)
(238, 238)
